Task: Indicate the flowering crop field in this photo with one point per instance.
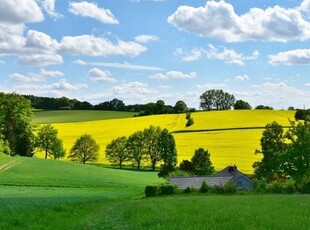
(226, 146)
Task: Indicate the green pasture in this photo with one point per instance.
(64, 116)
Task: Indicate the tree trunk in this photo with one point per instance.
(120, 164)
(153, 165)
(138, 165)
(46, 154)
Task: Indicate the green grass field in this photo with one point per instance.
(64, 116)
(49, 194)
(235, 146)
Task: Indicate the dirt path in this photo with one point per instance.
(8, 165)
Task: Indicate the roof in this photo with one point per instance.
(196, 181)
(232, 171)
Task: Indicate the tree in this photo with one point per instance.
(4, 147)
(16, 123)
(84, 149)
(168, 152)
(272, 147)
(202, 163)
(160, 107)
(136, 147)
(302, 114)
(266, 107)
(116, 151)
(187, 166)
(151, 135)
(180, 107)
(216, 99)
(57, 150)
(46, 137)
(297, 154)
(240, 104)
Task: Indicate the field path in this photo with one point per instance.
(8, 165)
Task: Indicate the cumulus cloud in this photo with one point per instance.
(242, 78)
(133, 90)
(53, 73)
(218, 19)
(63, 84)
(195, 54)
(90, 45)
(173, 74)
(49, 7)
(28, 79)
(41, 59)
(146, 38)
(292, 57)
(97, 75)
(41, 41)
(20, 12)
(91, 10)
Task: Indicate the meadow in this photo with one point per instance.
(226, 146)
(53, 194)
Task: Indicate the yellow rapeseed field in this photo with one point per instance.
(226, 147)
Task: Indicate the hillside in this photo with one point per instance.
(226, 146)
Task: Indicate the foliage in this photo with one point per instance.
(228, 188)
(272, 146)
(151, 137)
(204, 188)
(46, 138)
(167, 189)
(151, 190)
(189, 189)
(240, 104)
(116, 151)
(265, 107)
(304, 185)
(180, 107)
(216, 99)
(260, 185)
(16, 124)
(187, 166)
(302, 114)
(136, 148)
(57, 149)
(190, 120)
(202, 163)
(4, 147)
(84, 149)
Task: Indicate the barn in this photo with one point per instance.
(230, 174)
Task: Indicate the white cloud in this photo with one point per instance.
(218, 19)
(307, 84)
(146, 38)
(63, 84)
(292, 57)
(136, 90)
(97, 75)
(49, 7)
(305, 6)
(90, 45)
(91, 10)
(242, 78)
(54, 73)
(124, 65)
(41, 41)
(173, 74)
(20, 11)
(28, 79)
(41, 59)
(195, 54)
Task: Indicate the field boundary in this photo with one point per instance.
(223, 129)
(8, 165)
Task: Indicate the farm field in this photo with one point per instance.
(63, 116)
(50, 194)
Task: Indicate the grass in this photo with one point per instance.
(64, 116)
(209, 212)
(226, 146)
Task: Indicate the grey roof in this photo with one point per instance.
(195, 182)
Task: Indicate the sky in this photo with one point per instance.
(142, 51)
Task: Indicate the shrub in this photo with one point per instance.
(289, 187)
(190, 121)
(217, 189)
(230, 188)
(151, 190)
(260, 185)
(167, 189)
(275, 187)
(188, 115)
(189, 189)
(204, 187)
(305, 184)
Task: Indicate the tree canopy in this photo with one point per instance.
(240, 104)
(116, 151)
(202, 163)
(216, 99)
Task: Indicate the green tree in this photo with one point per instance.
(216, 99)
(297, 154)
(180, 107)
(57, 150)
(201, 162)
(16, 123)
(136, 148)
(45, 139)
(4, 147)
(84, 149)
(272, 148)
(116, 151)
(240, 104)
(151, 135)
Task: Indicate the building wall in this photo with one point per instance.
(243, 183)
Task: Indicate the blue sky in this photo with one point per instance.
(144, 50)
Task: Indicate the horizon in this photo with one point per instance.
(141, 51)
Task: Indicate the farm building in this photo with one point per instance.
(230, 174)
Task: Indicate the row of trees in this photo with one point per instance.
(150, 146)
(286, 154)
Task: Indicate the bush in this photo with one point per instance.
(204, 187)
(230, 188)
(275, 187)
(190, 121)
(218, 189)
(260, 185)
(151, 190)
(305, 184)
(189, 189)
(167, 189)
(289, 187)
